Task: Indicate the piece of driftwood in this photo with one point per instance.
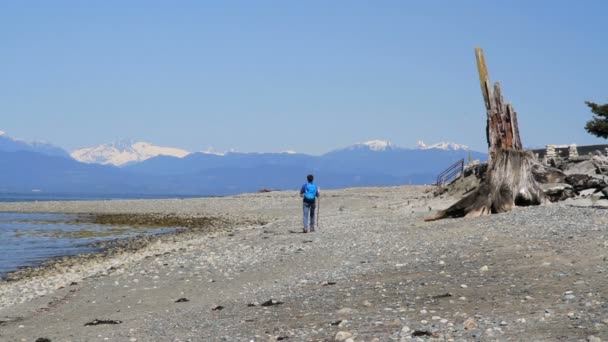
(510, 179)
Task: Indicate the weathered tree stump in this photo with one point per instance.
(510, 179)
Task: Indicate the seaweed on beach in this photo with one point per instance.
(188, 224)
(445, 295)
(162, 220)
(102, 321)
(271, 302)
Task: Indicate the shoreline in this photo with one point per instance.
(374, 271)
(183, 225)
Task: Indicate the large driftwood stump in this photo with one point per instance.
(509, 180)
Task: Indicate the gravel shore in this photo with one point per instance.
(375, 271)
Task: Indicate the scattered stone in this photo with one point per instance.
(586, 193)
(397, 296)
(182, 300)
(217, 308)
(583, 167)
(346, 311)
(470, 324)
(343, 335)
(558, 191)
(43, 339)
(585, 181)
(417, 333)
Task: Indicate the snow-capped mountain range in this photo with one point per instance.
(129, 151)
(385, 145)
(150, 169)
(442, 146)
(124, 152)
(373, 145)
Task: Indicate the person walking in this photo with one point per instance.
(309, 193)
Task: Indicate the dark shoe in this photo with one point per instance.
(312, 229)
(305, 231)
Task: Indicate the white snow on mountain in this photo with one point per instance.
(211, 150)
(374, 145)
(440, 145)
(385, 145)
(124, 152)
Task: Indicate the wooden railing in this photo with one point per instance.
(451, 173)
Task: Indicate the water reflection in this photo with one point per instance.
(27, 239)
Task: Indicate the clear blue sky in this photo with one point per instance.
(308, 76)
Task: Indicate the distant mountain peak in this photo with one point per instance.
(123, 152)
(211, 150)
(10, 144)
(373, 145)
(441, 146)
(124, 144)
(379, 145)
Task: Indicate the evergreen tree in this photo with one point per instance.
(598, 126)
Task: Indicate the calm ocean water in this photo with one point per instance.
(34, 196)
(28, 239)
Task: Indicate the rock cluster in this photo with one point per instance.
(585, 177)
(583, 180)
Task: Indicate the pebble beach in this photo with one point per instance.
(242, 270)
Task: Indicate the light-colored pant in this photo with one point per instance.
(309, 210)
